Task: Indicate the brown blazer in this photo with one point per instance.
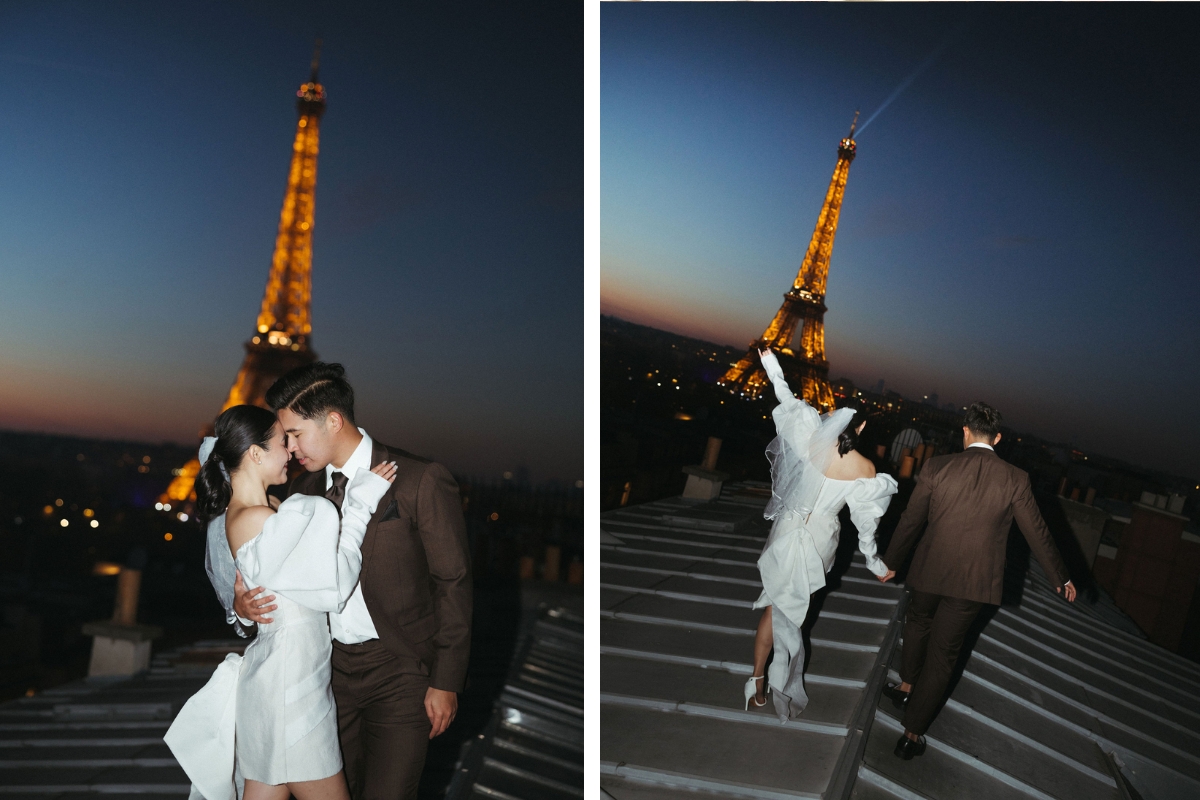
(416, 575)
(969, 500)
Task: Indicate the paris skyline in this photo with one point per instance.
(146, 151)
(1017, 226)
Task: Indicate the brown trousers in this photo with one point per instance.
(934, 628)
(382, 724)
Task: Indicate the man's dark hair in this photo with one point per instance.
(313, 390)
(983, 420)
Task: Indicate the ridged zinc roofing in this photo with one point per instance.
(1055, 700)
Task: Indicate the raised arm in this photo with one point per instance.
(301, 555)
(783, 392)
(443, 535)
(868, 502)
(362, 497)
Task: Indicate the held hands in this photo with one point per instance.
(441, 706)
(247, 606)
(1068, 591)
(891, 573)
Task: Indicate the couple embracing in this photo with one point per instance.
(958, 519)
(361, 592)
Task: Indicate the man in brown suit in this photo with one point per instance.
(969, 501)
(401, 644)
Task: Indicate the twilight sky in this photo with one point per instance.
(1020, 224)
(144, 150)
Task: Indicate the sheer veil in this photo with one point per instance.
(218, 561)
(798, 474)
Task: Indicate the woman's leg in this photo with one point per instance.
(265, 791)
(331, 788)
(763, 642)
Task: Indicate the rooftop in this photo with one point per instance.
(1056, 700)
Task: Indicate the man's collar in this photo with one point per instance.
(981, 444)
(360, 458)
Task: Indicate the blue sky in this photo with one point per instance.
(145, 148)
(1018, 225)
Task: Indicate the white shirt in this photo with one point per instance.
(972, 444)
(354, 624)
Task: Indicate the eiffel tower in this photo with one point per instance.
(282, 338)
(804, 305)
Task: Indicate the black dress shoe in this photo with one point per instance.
(906, 748)
(898, 697)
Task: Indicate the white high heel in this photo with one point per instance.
(752, 689)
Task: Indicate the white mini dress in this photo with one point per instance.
(269, 715)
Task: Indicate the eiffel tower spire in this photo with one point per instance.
(282, 339)
(803, 361)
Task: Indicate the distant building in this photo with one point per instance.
(1153, 574)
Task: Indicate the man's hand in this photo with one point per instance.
(891, 573)
(246, 606)
(441, 706)
(1068, 591)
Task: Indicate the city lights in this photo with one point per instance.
(64, 523)
(95, 523)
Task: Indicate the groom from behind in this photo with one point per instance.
(400, 646)
(969, 501)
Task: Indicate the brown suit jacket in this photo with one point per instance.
(416, 576)
(969, 500)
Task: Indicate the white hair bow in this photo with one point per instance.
(206, 448)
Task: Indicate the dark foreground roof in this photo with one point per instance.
(85, 738)
(532, 749)
(1049, 691)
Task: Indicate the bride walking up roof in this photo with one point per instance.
(815, 471)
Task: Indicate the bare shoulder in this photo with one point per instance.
(244, 524)
(850, 467)
(862, 465)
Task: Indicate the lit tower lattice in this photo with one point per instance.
(282, 339)
(804, 365)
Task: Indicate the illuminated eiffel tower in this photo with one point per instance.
(805, 365)
(282, 337)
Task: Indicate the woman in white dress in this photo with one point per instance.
(265, 725)
(815, 471)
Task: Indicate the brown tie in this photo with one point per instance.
(337, 491)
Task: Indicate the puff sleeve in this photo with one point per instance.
(301, 555)
(868, 502)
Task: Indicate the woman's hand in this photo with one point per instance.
(386, 470)
(763, 353)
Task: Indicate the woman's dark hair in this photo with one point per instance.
(848, 438)
(314, 390)
(983, 420)
(236, 429)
